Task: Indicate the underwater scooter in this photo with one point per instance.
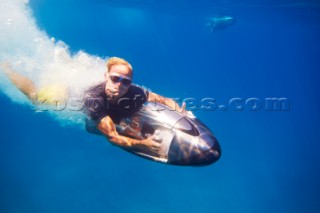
(185, 140)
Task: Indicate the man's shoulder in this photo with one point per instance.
(138, 90)
(97, 88)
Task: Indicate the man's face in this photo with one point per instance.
(118, 81)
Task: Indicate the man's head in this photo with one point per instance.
(118, 77)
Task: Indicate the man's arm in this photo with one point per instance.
(108, 128)
(24, 84)
(153, 97)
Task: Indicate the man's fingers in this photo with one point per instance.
(183, 107)
(157, 139)
(155, 147)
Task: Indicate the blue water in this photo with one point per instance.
(270, 160)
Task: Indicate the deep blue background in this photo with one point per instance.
(270, 160)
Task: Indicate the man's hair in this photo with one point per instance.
(115, 61)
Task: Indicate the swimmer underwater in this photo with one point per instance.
(106, 103)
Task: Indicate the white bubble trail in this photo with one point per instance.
(38, 56)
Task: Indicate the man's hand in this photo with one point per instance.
(153, 143)
(186, 112)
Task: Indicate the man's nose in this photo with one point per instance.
(117, 84)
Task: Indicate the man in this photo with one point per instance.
(108, 102)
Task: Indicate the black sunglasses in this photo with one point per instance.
(117, 79)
